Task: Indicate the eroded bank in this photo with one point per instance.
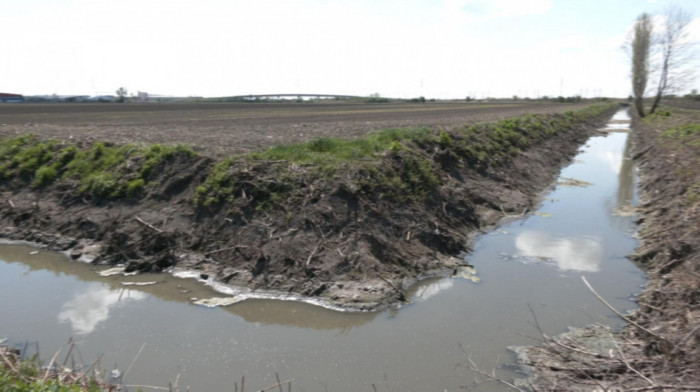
(350, 223)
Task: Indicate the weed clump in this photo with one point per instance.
(44, 176)
(28, 374)
(683, 132)
(102, 170)
(659, 115)
(218, 186)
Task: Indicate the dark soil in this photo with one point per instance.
(233, 128)
(659, 350)
(355, 239)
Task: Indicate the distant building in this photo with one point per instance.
(6, 97)
(142, 96)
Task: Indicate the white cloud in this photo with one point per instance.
(87, 310)
(576, 254)
(612, 159)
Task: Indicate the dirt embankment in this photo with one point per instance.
(659, 349)
(350, 223)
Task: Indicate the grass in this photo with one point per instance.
(399, 164)
(218, 186)
(322, 158)
(27, 375)
(661, 114)
(102, 170)
(325, 151)
(683, 132)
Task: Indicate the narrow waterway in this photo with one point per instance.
(582, 228)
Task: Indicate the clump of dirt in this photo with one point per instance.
(659, 349)
(352, 223)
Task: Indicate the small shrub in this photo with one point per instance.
(445, 140)
(659, 115)
(217, 187)
(45, 175)
(100, 184)
(395, 146)
(134, 187)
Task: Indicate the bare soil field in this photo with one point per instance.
(684, 104)
(232, 128)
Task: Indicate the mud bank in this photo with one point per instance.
(348, 223)
(659, 349)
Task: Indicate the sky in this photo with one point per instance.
(396, 48)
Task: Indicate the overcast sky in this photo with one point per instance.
(397, 48)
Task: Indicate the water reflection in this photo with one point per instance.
(577, 254)
(626, 177)
(92, 306)
(429, 288)
(621, 115)
(613, 159)
(617, 126)
(298, 314)
(88, 309)
(619, 122)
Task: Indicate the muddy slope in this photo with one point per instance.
(352, 233)
(659, 349)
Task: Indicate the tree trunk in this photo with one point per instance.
(639, 105)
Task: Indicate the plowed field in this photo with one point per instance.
(230, 128)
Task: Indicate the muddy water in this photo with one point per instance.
(582, 228)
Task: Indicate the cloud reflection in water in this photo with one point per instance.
(428, 290)
(576, 254)
(613, 159)
(88, 309)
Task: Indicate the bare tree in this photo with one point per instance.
(675, 49)
(121, 94)
(641, 48)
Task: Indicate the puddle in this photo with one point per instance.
(534, 262)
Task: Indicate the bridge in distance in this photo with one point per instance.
(281, 96)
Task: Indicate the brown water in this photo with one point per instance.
(533, 262)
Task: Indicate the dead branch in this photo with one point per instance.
(148, 386)
(313, 253)
(399, 290)
(8, 362)
(627, 363)
(601, 299)
(150, 226)
(51, 362)
(134, 360)
(474, 368)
